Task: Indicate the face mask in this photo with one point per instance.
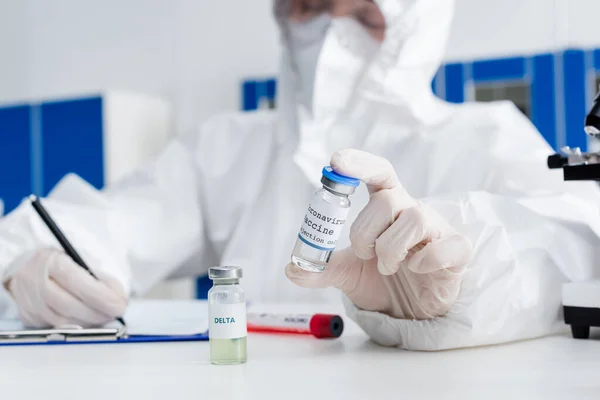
(305, 43)
(347, 52)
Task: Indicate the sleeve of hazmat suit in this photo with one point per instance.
(154, 223)
(530, 232)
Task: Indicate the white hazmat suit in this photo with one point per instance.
(235, 191)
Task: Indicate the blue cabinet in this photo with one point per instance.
(41, 143)
(16, 163)
(72, 141)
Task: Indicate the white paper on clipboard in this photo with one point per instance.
(153, 318)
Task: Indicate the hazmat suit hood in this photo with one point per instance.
(357, 79)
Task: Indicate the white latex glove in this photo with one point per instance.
(404, 260)
(50, 290)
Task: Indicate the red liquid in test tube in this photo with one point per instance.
(318, 325)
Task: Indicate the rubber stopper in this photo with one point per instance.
(326, 325)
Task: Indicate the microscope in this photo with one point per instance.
(581, 300)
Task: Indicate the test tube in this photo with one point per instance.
(318, 325)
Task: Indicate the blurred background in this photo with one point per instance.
(96, 88)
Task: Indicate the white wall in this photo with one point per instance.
(583, 22)
(12, 52)
(492, 28)
(485, 29)
(193, 52)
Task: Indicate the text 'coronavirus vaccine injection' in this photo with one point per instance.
(227, 313)
(323, 222)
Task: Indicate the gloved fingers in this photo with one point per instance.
(111, 282)
(76, 311)
(42, 302)
(377, 216)
(368, 290)
(435, 219)
(55, 319)
(31, 319)
(410, 230)
(376, 172)
(450, 252)
(28, 310)
(45, 316)
(27, 287)
(435, 273)
(94, 293)
(343, 272)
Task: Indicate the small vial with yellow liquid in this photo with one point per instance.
(227, 313)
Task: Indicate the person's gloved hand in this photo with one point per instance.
(50, 289)
(404, 259)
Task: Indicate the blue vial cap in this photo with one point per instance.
(333, 176)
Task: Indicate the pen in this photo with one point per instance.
(319, 325)
(62, 239)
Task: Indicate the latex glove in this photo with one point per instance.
(50, 289)
(404, 259)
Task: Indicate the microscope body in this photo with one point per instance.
(581, 300)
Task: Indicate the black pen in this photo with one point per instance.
(62, 239)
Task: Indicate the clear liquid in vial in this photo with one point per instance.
(309, 258)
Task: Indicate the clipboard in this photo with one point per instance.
(173, 327)
(72, 335)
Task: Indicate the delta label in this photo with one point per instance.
(323, 224)
(227, 321)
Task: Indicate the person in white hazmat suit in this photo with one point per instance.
(478, 259)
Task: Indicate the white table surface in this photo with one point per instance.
(302, 367)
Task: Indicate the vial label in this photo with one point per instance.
(323, 225)
(227, 321)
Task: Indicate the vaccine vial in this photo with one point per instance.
(227, 313)
(323, 222)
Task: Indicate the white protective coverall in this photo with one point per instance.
(235, 191)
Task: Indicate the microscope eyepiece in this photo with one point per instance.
(592, 120)
(557, 161)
